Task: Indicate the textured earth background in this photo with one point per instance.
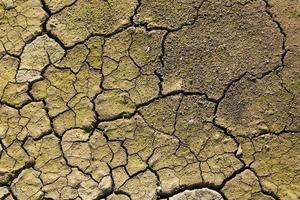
(150, 99)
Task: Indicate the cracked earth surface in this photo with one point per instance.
(150, 99)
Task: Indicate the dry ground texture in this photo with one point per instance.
(150, 99)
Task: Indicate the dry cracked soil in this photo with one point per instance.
(150, 99)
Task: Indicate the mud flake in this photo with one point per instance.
(205, 194)
(74, 24)
(111, 104)
(20, 22)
